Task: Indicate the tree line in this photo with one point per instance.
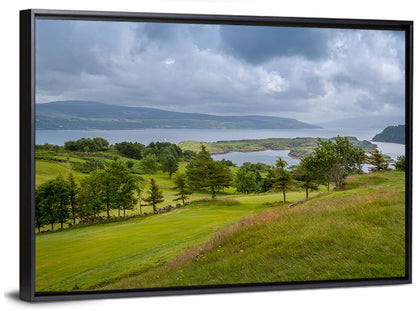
(329, 163)
(154, 156)
(104, 189)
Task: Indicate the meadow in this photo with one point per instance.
(354, 233)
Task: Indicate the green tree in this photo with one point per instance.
(357, 160)
(73, 196)
(306, 175)
(100, 143)
(119, 186)
(155, 195)
(149, 164)
(267, 183)
(334, 159)
(56, 149)
(127, 193)
(139, 191)
(129, 163)
(52, 199)
(205, 173)
(220, 177)
(110, 188)
(247, 181)
(281, 178)
(87, 144)
(61, 195)
(41, 210)
(169, 164)
(376, 159)
(189, 154)
(130, 150)
(228, 163)
(90, 199)
(400, 164)
(160, 148)
(182, 186)
(123, 186)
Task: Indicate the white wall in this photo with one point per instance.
(370, 298)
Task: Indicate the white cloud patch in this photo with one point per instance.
(272, 82)
(169, 61)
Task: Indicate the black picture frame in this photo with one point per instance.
(27, 146)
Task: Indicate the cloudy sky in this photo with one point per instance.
(313, 75)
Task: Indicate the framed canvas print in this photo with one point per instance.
(168, 154)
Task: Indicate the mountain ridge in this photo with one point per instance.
(85, 115)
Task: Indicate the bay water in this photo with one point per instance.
(145, 136)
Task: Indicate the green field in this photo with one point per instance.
(95, 255)
(354, 233)
(357, 233)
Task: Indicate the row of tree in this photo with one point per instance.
(113, 187)
(87, 144)
(154, 156)
(330, 162)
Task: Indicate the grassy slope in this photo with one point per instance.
(87, 257)
(47, 170)
(357, 233)
(114, 254)
(90, 256)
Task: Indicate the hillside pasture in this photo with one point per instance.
(93, 256)
(353, 234)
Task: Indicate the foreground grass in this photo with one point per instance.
(356, 233)
(90, 257)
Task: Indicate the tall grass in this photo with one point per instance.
(355, 233)
(350, 234)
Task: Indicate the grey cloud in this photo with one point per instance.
(260, 43)
(72, 47)
(373, 63)
(318, 73)
(179, 36)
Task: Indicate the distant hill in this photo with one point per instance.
(392, 134)
(86, 115)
